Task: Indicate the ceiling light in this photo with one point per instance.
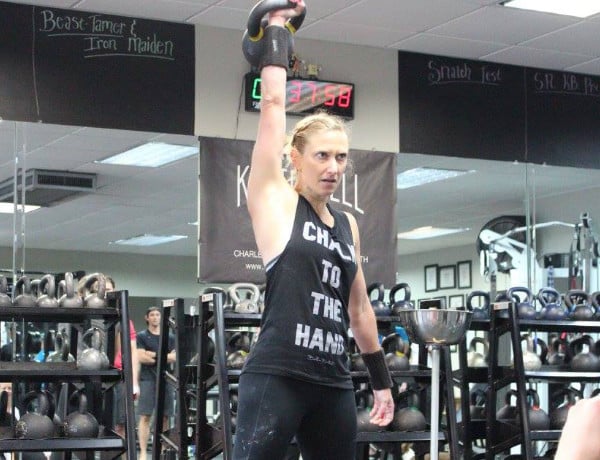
(420, 176)
(429, 232)
(151, 155)
(9, 208)
(148, 240)
(580, 9)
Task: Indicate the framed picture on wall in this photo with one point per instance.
(431, 278)
(456, 301)
(464, 274)
(447, 277)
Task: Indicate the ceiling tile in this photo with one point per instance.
(532, 57)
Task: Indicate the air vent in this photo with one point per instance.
(45, 187)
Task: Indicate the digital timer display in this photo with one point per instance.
(306, 96)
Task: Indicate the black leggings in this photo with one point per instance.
(272, 410)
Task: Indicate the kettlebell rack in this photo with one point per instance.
(95, 381)
(499, 435)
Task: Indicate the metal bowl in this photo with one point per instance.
(433, 326)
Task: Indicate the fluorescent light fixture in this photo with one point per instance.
(8, 208)
(579, 8)
(422, 233)
(151, 155)
(421, 176)
(149, 240)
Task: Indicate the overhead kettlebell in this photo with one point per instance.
(47, 292)
(376, 293)
(245, 297)
(508, 412)
(552, 307)
(474, 357)
(67, 297)
(579, 305)
(35, 423)
(525, 306)
(253, 44)
(95, 291)
(22, 295)
(81, 423)
(398, 305)
(483, 311)
(5, 300)
(92, 356)
(538, 418)
(580, 355)
(409, 418)
(397, 351)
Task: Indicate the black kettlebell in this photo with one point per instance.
(580, 307)
(580, 355)
(47, 292)
(595, 299)
(477, 400)
(474, 357)
(566, 398)
(483, 311)
(557, 351)
(364, 404)
(397, 351)
(80, 423)
(22, 294)
(357, 363)
(508, 413)
(538, 418)
(252, 40)
(376, 293)
(5, 300)
(398, 305)
(5, 417)
(552, 307)
(95, 291)
(67, 297)
(409, 418)
(525, 306)
(35, 423)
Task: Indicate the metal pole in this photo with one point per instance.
(435, 402)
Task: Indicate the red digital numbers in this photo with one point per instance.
(314, 93)
(345, 96)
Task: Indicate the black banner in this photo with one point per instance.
(89, 69)
(228, 253)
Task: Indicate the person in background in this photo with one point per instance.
(296, 379)
(580, 437)
(147, 350)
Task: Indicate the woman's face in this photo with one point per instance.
(323, 162)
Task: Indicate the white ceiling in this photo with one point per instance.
(132, 201)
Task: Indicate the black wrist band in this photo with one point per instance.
(378, 370)
(276, 43)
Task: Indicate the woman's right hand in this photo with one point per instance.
(280, 17)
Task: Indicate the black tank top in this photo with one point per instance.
(304, 326)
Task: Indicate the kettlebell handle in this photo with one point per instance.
(92, 279)
(376, 287)
(548, 295)
(264, 7)
(400, 287)
(236, 287)
(481, 294)
(522, 289)
(574, 294)
(47, 285)
(475, 340)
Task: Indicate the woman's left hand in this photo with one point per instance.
(383, 407)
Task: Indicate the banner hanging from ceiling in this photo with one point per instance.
(227, 251)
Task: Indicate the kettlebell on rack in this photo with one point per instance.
(398, 305)
(379, 306)
(566, 397)
(474, 357)
(249, 303)
(552, 307)
(238, 347)
(409, 418)
(531, 360)
(67, 297)
(95, 298)
(525, 306)
(508, 413)
(364, 403)
(538, 418)
(61, 353)
(556, 351)
(4, 297)
(397, 351)
(92, 356)
(580, 355)
(483, 311)
(80, 423)
(595, 299)
(578, 302)
(22, 296)
(35, 423)
(47, 292)
(477, 400)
